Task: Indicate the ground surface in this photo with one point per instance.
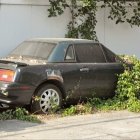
(121, 125)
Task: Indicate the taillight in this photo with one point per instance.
(6, 75)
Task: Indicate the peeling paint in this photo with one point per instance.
(54, 74)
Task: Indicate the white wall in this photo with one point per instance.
(23, 19)
(120, 38)
(20, 22)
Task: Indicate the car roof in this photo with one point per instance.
(58, 40)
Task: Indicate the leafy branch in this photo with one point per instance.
(83, 18)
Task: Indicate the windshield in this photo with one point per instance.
(33, 49)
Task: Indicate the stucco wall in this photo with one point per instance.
(121, 38)
(20, 21)
(23, 19)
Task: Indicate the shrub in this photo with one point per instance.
(128, 87)
(19, 114)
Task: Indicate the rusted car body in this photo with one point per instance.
(57, 70)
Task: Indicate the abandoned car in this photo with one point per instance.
(44, 72)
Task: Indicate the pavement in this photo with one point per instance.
(120, 125)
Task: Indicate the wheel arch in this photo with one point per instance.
(57, 83)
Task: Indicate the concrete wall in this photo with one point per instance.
(20, 20)
(23, 19)
(121, 38)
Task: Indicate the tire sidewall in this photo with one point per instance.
(35, 107)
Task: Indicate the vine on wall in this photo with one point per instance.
(83, 17)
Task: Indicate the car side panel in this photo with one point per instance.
(71, 76)
(100, 80)
(66, 73)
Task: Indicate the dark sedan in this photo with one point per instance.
(45, 72)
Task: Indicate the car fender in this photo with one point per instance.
(54, 75)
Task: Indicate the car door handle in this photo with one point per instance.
(84, 69)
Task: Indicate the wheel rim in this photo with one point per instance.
(49, 99)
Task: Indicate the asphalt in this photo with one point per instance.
(121, 125)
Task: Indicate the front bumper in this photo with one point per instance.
(15, 94)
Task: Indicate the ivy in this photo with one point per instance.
(83, 18)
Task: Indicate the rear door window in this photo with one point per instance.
(89, 53)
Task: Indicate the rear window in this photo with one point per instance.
(34, 49)
(89, 53)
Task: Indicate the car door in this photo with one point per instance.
(63, 60)
(70, 74)
(98, 78)
(114, 67)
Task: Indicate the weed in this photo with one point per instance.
(19, 114)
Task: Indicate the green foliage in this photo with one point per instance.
(19, 114)
(128, 88)
(6, 115)
(83, 18)
(78, 109)
(69, 111)
(83, 21)
(57, 7)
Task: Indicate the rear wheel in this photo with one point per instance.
(48, 97)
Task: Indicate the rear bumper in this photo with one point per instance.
(15, 94)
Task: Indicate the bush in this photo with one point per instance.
(79, 109)
(19, 114)
(128, 87)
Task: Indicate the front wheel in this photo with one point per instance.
(48, 97)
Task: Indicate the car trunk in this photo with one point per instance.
(12, 65)
(8, 69)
